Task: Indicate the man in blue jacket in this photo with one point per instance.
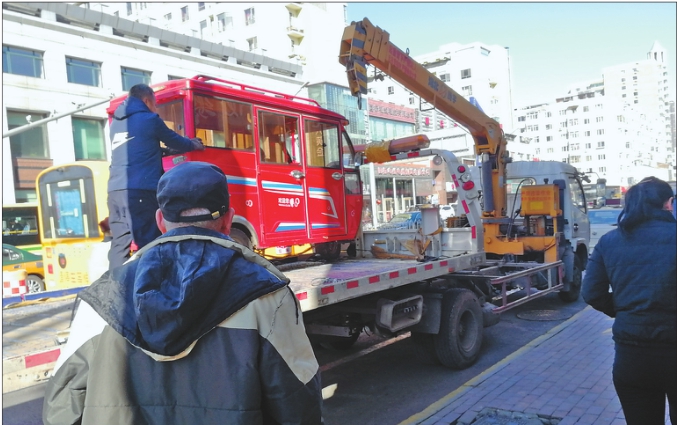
(136, 166)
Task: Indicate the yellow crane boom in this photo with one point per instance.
(364, 44)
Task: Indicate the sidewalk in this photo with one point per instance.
(564, 374)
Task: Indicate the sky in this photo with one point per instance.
(552, 45)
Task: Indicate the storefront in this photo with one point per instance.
(392, 188)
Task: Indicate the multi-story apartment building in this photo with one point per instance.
(601, 127)
(59, 57)
(645, 85)
(307, 34)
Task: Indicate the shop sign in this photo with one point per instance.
(389, 111)
(388, 171)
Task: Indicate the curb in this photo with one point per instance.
(444, 401)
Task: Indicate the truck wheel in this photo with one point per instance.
(424, 348)
(575, 288)
(240, 237)
(460, 338)
(34, 283)
(328, 250)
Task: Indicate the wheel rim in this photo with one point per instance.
(33, 285)
(467, 331)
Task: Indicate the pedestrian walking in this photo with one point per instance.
(193, 329)
(136, 166)
(632, 277)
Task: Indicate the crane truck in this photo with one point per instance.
(523, 232)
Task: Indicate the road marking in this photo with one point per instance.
(364, 352)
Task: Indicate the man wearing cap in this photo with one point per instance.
(193, 329)
(136, 131)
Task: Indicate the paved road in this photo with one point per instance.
(378, 381)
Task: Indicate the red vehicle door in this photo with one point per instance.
(324, 180)
(281, 179)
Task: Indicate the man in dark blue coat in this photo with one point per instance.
(136, 167)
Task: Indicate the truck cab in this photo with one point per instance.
(576, 227)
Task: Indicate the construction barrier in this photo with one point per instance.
(14, 283)
(23, 299)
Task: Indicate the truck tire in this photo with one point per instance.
(424, 348)
(240, 237)
(575, 288)
(328, 250)
(460, 338)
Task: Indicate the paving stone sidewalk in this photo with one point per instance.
(562, 377)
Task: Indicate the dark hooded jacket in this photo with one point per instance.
(194, 329)
(135, 134)
(640, 270)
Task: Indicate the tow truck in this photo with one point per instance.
(445, 283)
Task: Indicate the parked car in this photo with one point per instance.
(602, 221)
(405, 220)
(14, 258)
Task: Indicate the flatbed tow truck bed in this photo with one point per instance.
(332, 283)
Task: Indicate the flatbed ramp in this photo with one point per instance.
(332, 283)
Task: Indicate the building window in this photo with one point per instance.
(563, 112)
(588, 157)
(586, 121)
(548, 126)
(600, 132)
(131, 77)
(588, 145)
(548, 114)
(598, 106)
(391, 89)
(174, 77)
(636, 101)
(602, 169)
(21, 62)
(88, 139)
(129, 8)
(548, 138)
(600, 144)
(465, 73)
(411, 100)
(200, 6)
(30, 143)
(467, 90)
(249, 16)
(600, 119)
(184, 14)
(445, 78)
(551, 150)
(83, 72)
(253, 44)
(602, 156)
(203, 28)
(168, 17)
(587, 134)
(225, 21)
(586, 108)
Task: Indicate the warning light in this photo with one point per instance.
(468, 185)
(461, 169)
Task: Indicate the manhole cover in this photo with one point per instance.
(543, 315)
(491, 416)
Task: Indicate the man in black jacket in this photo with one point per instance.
(193, 329)
(136, 166)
